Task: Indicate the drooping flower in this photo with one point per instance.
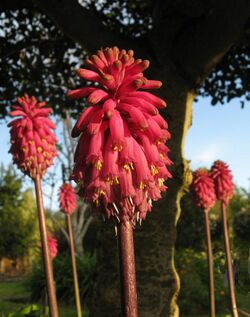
(121, 158)
(53, 247)
(223, 180)
(32, 138)
(67, 198)
(203, 189)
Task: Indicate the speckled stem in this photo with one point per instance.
(50, 285)
(210, 264)
(74, 268)
(229, 262)
(127, 270)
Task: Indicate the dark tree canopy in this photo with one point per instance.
(36, 57)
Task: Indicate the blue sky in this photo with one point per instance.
(220, 132)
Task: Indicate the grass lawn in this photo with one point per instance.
(14, 296)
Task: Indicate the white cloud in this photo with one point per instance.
(209, 154)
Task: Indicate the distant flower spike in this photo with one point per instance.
(223, 180)
(32, 140)
(203, 189)
(67, 199)
(121, 160)
(53, 247)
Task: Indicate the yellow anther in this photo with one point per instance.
(101, 192)
(160, 181)
(112, 181)
(117, 148)
(142, 185)
(24, 149)
(98, 165)
(97, 202)
(154, 170)
(39, 149)
(161, 155)
(126, 167)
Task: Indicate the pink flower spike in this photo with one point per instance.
(223, 180)
(203, 189)
(121, 160)
(32, 137)
(67, 199)
(53, 247)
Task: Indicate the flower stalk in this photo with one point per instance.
(53, 310)
(127, 270)
(204, 196)
(230, 274)
(224, 189)
(33, 149)
(68, 204)
(74, 268)
(210, 264)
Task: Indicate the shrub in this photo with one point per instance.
(30, 311)
(64, 278)
(193, 270)
(242, 225)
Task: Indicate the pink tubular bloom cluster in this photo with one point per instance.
(223, 180)
(203, 189)
(53, 247)
(32, 140)
(67, 199)
(121, 158)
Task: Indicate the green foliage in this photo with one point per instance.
(193, 269)
(190, 227)
(242, 225)
(64, 278)
(37, 57)
(30, 311)
(17, 216)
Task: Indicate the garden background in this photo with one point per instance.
(41, 48)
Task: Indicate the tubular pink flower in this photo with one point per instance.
(67, 199)
(33, 143)
(223, 180)
(203, 189)
(53, 247)
(121, 159)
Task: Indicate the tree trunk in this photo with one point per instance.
(157, 279)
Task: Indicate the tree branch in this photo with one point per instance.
(64, 232)
(200, 46)
(80, 25)
(86, 227)
(15, 4)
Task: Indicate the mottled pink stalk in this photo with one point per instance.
(32, 139)
(203, 189)
(223, 180)
(67, 198)
(121, 159)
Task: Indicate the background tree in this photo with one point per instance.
(17, 217)
(187, 42)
